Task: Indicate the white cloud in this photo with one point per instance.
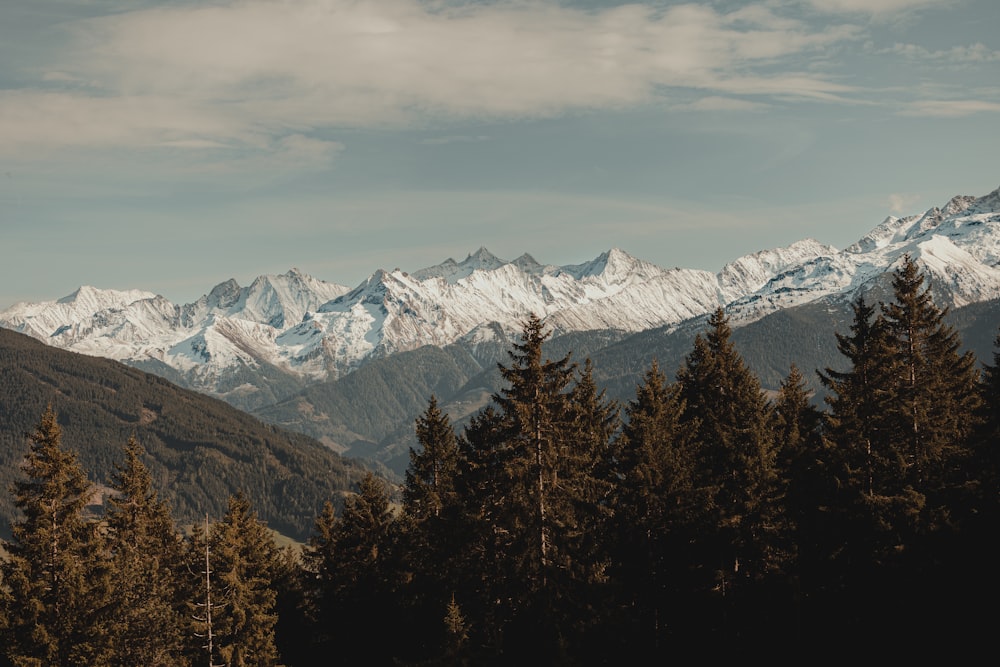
(244, 72)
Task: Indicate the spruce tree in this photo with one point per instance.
(535, 408)
(859, 401)
(736, 471)
(653, 507)
(545, 481)
(430, 477)
(934, 404)
(481, 570)
(319, 558)
(349, 564)
(145, 620)
(430, 534)
(244, 560)
(987, 441)
(56, 574)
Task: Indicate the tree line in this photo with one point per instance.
(703, 517)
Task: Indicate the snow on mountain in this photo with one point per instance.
(314, 330)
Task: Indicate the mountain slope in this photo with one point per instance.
(200, 449)
(350, 366)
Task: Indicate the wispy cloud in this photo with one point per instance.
(717, 103)
(972, 53)
(454, 139)
(248, 72)
(949, 108)
(878, 8)
(901, 202)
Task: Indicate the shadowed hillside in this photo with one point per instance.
(200, 450)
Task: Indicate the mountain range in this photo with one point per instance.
(353, 367)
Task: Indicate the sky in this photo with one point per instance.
(170, 146)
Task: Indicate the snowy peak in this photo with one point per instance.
(314, 330)
(750, 273)
(92, 298)
(452, 271)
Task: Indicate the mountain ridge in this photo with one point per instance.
(310, 331)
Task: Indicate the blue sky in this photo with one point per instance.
(171, 145)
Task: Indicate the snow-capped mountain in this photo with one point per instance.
(312, 330)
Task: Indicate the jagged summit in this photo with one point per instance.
(310, 330)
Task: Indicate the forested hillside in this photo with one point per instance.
(701, 519)
(199, 449)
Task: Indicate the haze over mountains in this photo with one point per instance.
(283, 344)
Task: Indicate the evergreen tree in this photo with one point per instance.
(535, 408)
(481, 567)
(545, 473)
(801, 455)
(900, 427)
(145, 620)
(935, 400)
(456, 634)
(859, 401)
(592, 425)
(987, 441)
(348, 562)
(56, 575)
(736, 472)
(429, 530)
(653, 507)
(430, 478)
(808, 485)
(319, 586)
(244, 562)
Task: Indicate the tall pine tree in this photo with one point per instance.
(244, 563)
(56, 574)
(146, 623)
(736, 473)
(653, 508)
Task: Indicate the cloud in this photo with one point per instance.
(454, 139)
(716, 103)
(901, 203)
(874, 7)
(949, 108)
(973, 53)
(245, 72)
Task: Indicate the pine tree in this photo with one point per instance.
(349, 564)
(535, 408)
(244, 560)
(430, 534)
(593, 422)
(430, 478)
(456, 633)
(934, 403)
(56, 575)
(653, 505)
(859, 401)
(145, 624)
(481, 569)
(808, 486)
(900, 428)
(987, 441)
(736, 471)
(319, 558)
